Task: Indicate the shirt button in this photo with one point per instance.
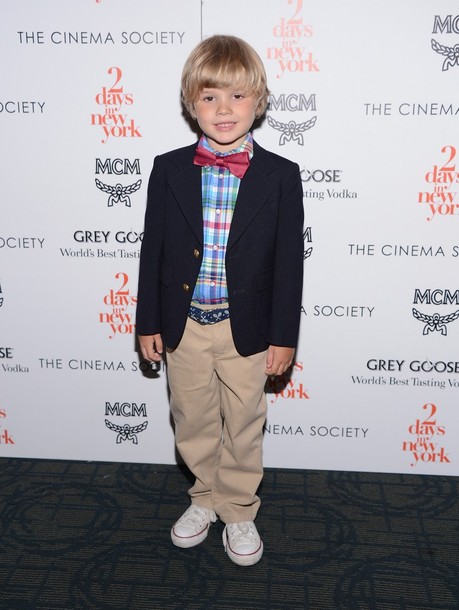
(185, 287)
(196, 253)
(217, 212)
(215, 247)
(212, 284)
(220, 175)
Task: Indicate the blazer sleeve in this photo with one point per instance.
(148, 318)
(288, 261)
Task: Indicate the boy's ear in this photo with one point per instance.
(259, 109)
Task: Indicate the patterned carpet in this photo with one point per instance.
(77, 535)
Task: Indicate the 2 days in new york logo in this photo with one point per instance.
(289, 53)
(113, 120)
(440, 195)
(5, 434)
(425, 443)
(121, 309)
(287, 387)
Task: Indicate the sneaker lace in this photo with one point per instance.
(197, 516)
(240, 533)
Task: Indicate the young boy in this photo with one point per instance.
(220, 287)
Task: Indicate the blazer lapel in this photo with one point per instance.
(187, 189)
(253, 192)
(254, 189)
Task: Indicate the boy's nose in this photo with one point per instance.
(224, 108)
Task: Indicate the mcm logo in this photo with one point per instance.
(291, 131)
(307, 237)
(126, 432)
(451, 54)
(435, 296)
(435, 322)
(119, 193)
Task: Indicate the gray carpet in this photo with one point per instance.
(96, 535)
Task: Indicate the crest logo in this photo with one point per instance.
(451, 54)
(118, 193)
(126, 432)
(307, 237)
(435, 322)
(291, 131)
(448, 25)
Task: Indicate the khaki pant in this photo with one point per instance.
(219, 409)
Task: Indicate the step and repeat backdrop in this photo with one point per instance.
(363, 98)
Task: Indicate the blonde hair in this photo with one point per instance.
(224, 61)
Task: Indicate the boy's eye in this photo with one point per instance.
(238, 96)
(208, 98)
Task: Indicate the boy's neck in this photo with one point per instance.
(230, 148)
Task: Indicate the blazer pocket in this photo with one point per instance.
(263, 281)
(263, 284)
(166, 275)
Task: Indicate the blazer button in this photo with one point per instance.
(196, 253)
(185, 287)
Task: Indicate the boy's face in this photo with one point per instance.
(225, 116)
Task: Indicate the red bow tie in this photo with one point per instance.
(237, 163)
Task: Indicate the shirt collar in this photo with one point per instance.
(246, 146)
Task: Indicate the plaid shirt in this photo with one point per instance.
(219, 193)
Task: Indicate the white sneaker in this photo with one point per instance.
(192, 527)
(242, 543)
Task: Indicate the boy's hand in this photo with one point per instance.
(278, 359)
(151, 347)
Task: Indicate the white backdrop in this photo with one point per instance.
(364, 99)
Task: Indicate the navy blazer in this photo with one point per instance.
(264, 257)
